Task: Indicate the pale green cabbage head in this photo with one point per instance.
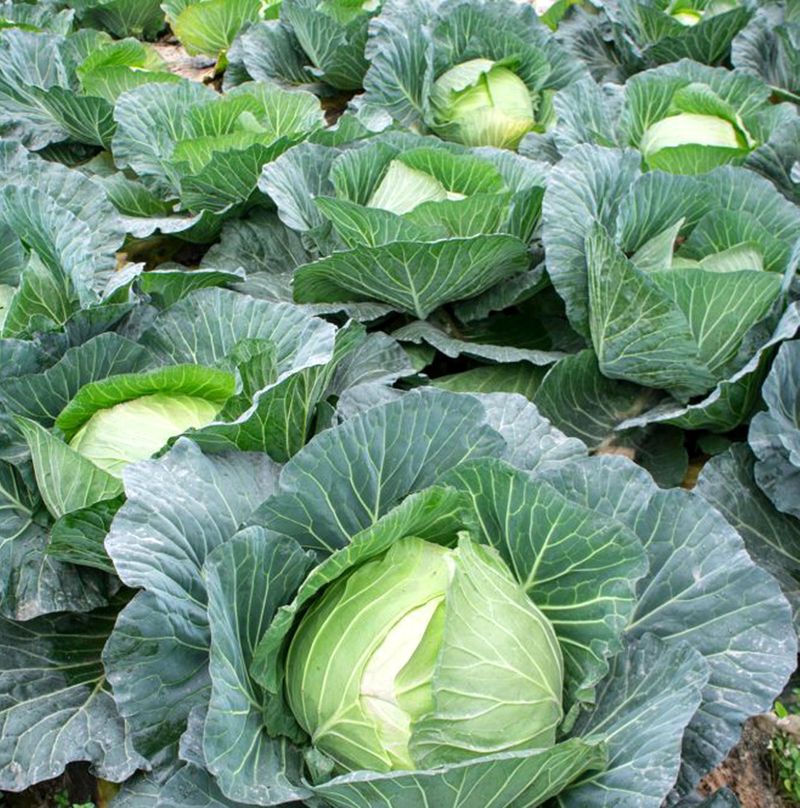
(482, 103)
(424, 656)
(135, 430)
(690, 128)
(691, 13)
(404, 188)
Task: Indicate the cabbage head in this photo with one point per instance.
(398, 665)
(134, 430)
(483, 103)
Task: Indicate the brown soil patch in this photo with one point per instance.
(747, 771)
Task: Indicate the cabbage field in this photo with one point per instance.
(399, 403)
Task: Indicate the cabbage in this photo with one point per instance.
(690, 128)
(134, 430)
(483, 103)
(360, 668)
(404, 188)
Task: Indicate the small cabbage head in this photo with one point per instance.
(691, 13)
(404, 188)
(688, 127)
(701, 131)
(135, 430)
(424, 656)
(482, 103)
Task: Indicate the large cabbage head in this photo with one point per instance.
(483, 103)
(424, 656)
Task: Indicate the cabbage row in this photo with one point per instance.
(349, 398)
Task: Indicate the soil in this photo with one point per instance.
(75, 787)
(196, 68)
(747, 771)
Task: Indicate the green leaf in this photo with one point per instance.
(513, 377)
(281, 415)
(150, 120)
(205, 327)
(703, 589)
(772, 538)
(400, 77)
(720, 307)
(78, 537)
(638, 331)
(139, 18)
(582, 402)
(67, 480)
(524, 778)
(580, 570)
(248, 579)
(733, 400)
(775, 434)
(649, 696)
(413, 277)
(41, 396)
(585, 187)
(40, 105)
(334, 44)
(341, 482)
(33, 583)
(157, 656)
(55, 707)
(210, 26)
(168, 286)
(532, 442)
(44, 301)
(371, 227)
(454, 346)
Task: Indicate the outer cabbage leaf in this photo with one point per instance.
(653, 27)
(205, 149)
(775, 434)
(56, 707)
(770, 47)
(157, 656)
(136, 18)
(248, 578)
(772, 538)
(700, 577)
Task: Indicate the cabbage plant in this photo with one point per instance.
(423, 222)
(477, 73)
(654, 32)
(684, 118)
(73, 100)
(203, 152)
(78, 421)
(210, 26)
(319, 44)
(770, 47)
(143, 19)
(688, 298)
(39, 17)
(60, 237)
(417, 603)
